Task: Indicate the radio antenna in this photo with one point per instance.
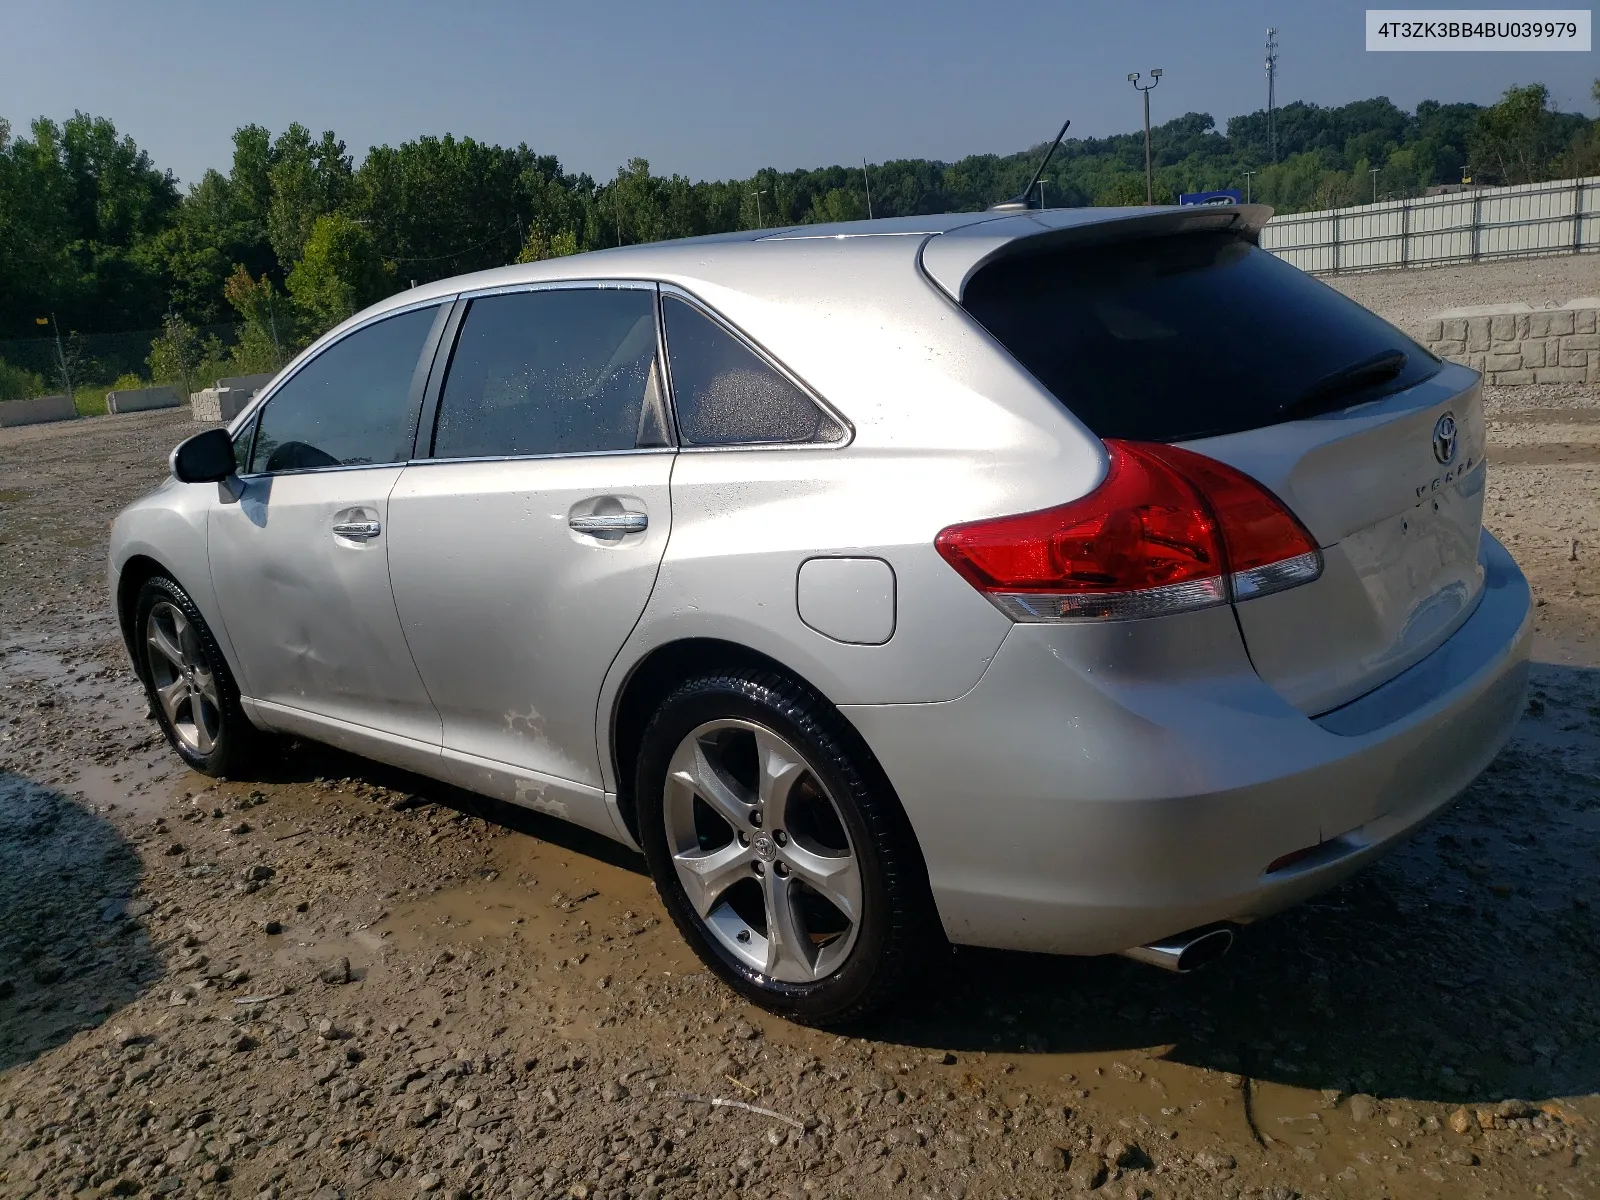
(1023, 200)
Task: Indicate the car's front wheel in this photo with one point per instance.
(779, 849)
(192, 693)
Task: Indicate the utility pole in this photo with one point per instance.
(1145, 90)
(758, 193)
(1272, 89)
(867, 179)
(1247, 175)
(1373, 171)
(1041, 194)
(61, 355)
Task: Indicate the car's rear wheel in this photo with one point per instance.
(779, 849)
(192, 693)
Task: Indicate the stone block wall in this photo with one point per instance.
(1512, 344)
(228, 399)
(216, 404)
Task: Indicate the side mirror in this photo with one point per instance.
(205, 458)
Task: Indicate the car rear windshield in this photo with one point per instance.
(1187, 336)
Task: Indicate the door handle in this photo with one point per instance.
(599, 524)
(357, 531)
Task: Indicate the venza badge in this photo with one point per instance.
(1444, 439)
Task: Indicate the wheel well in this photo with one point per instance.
(652, 679)
(135, 572)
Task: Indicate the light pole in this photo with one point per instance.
(1272, 89)
(758, 193)
(1247, 175)
(1145, 90)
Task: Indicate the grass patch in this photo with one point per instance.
(90, 401)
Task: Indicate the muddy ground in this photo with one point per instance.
(341, 980)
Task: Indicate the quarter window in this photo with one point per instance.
(351, 405)
(557, 371)
(726, 394)
(241, 447)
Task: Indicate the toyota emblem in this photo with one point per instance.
(1444, 439)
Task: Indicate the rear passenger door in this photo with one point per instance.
(524, 544)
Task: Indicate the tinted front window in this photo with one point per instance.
(725, 393)
(564, 371)
(1181, 337)
(351, 405)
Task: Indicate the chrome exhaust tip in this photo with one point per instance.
(1184, 952)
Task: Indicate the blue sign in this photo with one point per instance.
(1225, 196)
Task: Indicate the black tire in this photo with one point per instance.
(227, 746)
(897, 933)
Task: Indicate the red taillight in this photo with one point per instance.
(1266, 549)
(1167, 531)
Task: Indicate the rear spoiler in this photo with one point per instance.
(952, 258)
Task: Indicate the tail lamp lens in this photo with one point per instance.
(1167, 531)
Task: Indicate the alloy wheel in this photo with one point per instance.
(184, 683)
(762, 851)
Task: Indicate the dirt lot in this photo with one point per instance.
(340, 980)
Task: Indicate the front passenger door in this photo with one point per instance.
(525, 548)
(299, 558)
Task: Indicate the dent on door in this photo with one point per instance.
(309, 607)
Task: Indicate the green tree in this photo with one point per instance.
(339, 273)
(1122, 190)
(19, 384)
(837, 204)
(1582, 157)
(175, 354)
(541, 245)
(1516, 140)
(79, 209)
(308, 181)
(441, 206)
(261, 342)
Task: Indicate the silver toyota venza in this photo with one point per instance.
(1077, 581)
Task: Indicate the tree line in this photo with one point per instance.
(295, 235)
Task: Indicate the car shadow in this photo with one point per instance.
(305, 762)
(1460, 968)
(73, 947)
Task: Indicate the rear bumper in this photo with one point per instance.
(1076, 802)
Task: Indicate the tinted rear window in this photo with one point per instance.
(1181, 337)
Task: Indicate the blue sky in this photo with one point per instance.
(705, 88)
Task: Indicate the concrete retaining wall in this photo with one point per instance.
(37, 411)
(129, 400)
(1515, 344)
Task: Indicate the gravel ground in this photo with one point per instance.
(341, 980)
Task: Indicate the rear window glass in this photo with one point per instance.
(1188, 336)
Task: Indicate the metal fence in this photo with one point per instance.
(1561, 217)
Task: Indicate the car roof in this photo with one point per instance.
(952, 247)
